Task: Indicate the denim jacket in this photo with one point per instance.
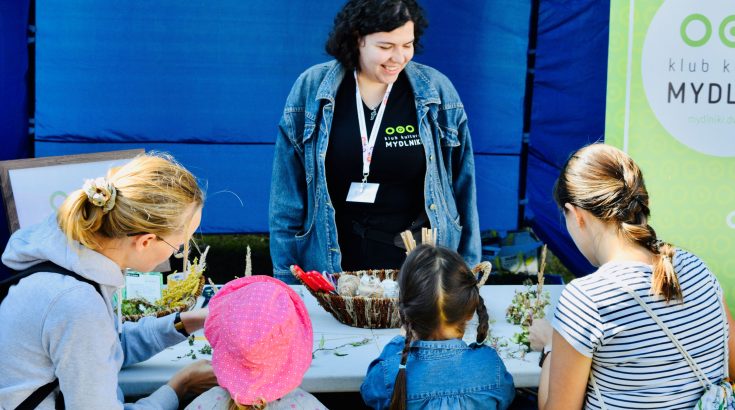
(302, 225)
(441, 374)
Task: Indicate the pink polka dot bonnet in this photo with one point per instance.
(261, 338)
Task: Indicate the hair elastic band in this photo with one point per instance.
(401, 366)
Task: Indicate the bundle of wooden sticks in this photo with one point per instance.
(428, 236)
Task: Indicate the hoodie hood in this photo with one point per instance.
(46, 242)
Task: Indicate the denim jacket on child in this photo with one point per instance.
(440, 374)
(302, 226)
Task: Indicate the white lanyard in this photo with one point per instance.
(368, 144)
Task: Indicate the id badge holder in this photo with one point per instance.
(364, 192)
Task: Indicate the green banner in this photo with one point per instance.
(671, 106)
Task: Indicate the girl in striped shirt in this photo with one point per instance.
(608, 353)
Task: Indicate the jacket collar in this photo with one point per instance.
(440, 344)
(423, 90)
(331, 81)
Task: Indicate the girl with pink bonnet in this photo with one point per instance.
(261, 338)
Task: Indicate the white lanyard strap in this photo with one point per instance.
(368, 144)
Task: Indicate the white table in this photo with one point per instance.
(333, 373)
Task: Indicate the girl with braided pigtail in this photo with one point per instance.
(609, 351)
(432, 367)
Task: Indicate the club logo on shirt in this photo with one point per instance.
(399, 129)
(401, 136)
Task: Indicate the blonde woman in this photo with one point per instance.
(61, 328)
(606, 350)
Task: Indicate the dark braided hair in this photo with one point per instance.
(398, 399)
(437, 289)
(484, 318)
(606, 182)
(359, 18)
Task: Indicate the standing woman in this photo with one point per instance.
(61, 329)
(369, 145)
(608, 352)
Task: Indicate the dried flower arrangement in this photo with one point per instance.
(528, 304)
(178, 295)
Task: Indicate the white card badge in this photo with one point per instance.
(362, 192)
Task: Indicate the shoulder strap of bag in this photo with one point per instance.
(706, 383)
(597, 391)
(37, 396)
(42, 267)
(42, 392)
(690, 361)
(726, 328)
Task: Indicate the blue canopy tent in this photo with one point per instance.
(208, 84)
(568, 109)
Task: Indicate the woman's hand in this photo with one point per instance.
(539, 334)
(195, 378)
(193, 320)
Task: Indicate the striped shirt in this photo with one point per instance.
(635, 364)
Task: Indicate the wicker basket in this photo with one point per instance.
(371, 313)
(189, 303)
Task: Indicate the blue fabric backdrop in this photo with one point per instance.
(208, 84)
(568, 108)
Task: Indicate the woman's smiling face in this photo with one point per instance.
(383, 55)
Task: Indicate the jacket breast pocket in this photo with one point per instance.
(446, 126)
(448, 137)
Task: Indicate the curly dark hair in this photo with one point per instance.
(359, 18)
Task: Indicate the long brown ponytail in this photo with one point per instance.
(606, 182)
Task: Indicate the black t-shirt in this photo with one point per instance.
(398, 165)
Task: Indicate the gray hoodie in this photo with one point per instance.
(54, 326)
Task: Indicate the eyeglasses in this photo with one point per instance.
(178, 251)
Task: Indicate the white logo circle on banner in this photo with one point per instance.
(688, 72)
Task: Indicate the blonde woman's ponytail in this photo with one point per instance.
(79, 219)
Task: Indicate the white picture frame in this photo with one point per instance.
(33, 188)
